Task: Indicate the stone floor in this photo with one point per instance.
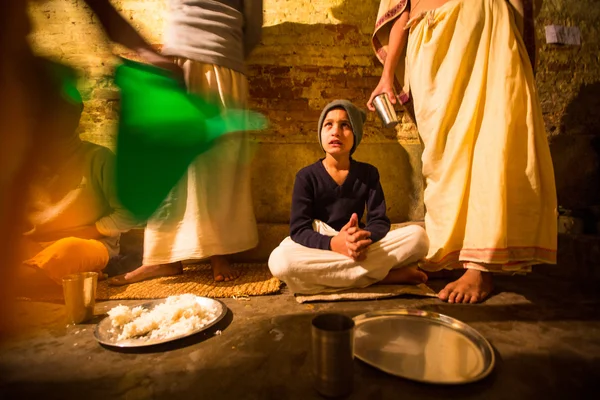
(546, 334)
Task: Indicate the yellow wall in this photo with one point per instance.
(314, 51)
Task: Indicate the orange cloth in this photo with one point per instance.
(68, 256)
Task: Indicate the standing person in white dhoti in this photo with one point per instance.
(209, 214)
(329, 249)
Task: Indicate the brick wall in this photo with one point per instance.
(313, 51)
(569, 82)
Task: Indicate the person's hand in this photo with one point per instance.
(356, 247)
(385, 85)
(357, 242)
(338, 242)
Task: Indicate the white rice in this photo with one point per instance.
(178, 315)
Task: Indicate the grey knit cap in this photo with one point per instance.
(356, 115)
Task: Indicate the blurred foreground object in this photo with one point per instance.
(162, 129)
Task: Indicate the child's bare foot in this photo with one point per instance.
(146, 272)
(222, 271)
(472, 287)
(405, 275)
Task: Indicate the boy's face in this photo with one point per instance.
(336, 133)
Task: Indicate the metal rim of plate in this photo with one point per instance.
(149, 305)
(481, 343)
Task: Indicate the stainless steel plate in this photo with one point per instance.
(105, 333)
(422, 346)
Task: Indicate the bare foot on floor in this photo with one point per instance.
(222, 271)
(473, 287)
(146, 272)
(405, 275)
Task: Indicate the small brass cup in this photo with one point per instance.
(80, 296)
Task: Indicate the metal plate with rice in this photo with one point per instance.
(107, 335)
(422, 346)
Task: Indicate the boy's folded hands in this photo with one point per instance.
(352, 241)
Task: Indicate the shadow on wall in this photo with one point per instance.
(301, 67)
(293, 74)
(581, 115)
(576, 157)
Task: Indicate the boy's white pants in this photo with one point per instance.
(308, 271)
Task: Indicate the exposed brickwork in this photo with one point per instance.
(568, 81)
(312, 52)
(565, 70)
(315, 50)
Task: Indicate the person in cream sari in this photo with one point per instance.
(467, 69)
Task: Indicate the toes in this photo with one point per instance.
(459, 297)
(119, 280)
(452, 297)
(226, 276)
(467, 298)
(479, 297)
(444, 294)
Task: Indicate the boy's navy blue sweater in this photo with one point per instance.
(318, 196)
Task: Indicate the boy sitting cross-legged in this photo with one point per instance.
(328, 248)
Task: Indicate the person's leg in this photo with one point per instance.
(310, 271)
(222, 270)
(146, 272)
(409, 274)
(161, 256)
(209, 214)
(225, 191)
(490, 195)
(474, 286)
(401, 248)
(68, 256)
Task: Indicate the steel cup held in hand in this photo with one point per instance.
(80, 296)
(333, 353)
(386, 111)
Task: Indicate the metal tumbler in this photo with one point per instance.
(386, 111)
(333, 352)
(80, 296)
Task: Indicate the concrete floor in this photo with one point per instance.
(546, 334)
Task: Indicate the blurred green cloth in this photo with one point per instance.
(162, 129)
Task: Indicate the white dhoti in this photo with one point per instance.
(210, 211)
(308, 271)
